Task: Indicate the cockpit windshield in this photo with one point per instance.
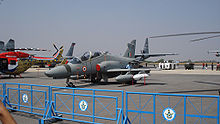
(75, 60)
(95, 54)
(88, 55)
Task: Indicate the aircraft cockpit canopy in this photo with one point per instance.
(75, 60)
(95, 54)
(88, 55)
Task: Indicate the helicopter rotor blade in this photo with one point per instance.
(204, 38)
(183, 34)
(55, 47)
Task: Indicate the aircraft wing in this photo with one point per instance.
(155, 54)
(136, 70)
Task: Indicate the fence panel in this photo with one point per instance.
(2, 91)
(152, 108)
(88, 105)
(27, 98)
(107, 106)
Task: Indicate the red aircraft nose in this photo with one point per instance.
(98, 68)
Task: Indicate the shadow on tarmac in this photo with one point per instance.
(143, 84)
(118, 83)
(190, 91)
(203, 82)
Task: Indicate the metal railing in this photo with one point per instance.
(176, 108)
(62, 103)
(107, 106)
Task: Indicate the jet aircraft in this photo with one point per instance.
(97, 66)
(145, 53)
(69, 56)
(10, 46)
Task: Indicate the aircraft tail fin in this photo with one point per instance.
(10, 46)
(70, 51)
(130, 52)
(146, 47)
(2, 45)
(58, 55)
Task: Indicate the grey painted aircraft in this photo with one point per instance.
(69, 56)
(64, 60)
(146, 54)
(10, 46)
(97, 66)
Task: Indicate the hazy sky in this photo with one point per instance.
(107, 25)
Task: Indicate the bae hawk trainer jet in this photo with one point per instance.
(97, 66)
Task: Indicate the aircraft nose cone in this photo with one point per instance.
(57, 72)
(48, 73)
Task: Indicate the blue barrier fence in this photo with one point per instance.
(152, 108)
(74, 104)
(107, 106)
(88, 105)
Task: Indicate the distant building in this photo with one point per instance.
(167, 65)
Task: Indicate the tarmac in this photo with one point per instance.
(179, 81)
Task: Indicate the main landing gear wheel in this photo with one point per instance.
(95, 79)
(70, 84)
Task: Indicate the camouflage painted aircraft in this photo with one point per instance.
(69, 56)
(63, 60)
(15, 63)
(97, 66)
(145, 53)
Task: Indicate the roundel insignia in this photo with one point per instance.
(98, 68)
(83, 105)
(169, 114)
(25, 98)
(84, 68)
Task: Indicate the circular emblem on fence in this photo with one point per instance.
(84, 68)
(83, 105)
(169, 114)
(25, 98)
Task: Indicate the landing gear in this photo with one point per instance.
(69, 84)
(105, 78)
(96, 78)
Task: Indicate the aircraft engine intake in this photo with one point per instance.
(106, 65)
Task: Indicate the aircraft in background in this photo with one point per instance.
(63, 60)
(10, 47)
(97, 66)
(15, 63)
(194, 40)
(69, 56)
(146, 54)
(216, 52)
